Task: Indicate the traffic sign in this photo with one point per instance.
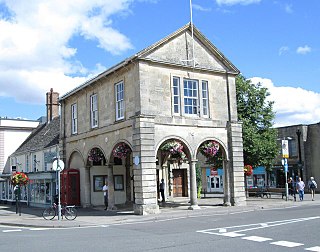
(57, 166)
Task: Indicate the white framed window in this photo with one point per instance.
(190, 97)
(176, 95)
(27, 163)
(205, 99)
(94, 110)
(35, 163)
(119, 93)
(74, 119)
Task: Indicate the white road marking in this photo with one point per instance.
(255, 226)
(316, 249)
(256, 238)
(231, 234)
(287, 244)
(11, 230)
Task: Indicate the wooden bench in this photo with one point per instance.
(257, 192)
(275, 191)
(262, 191)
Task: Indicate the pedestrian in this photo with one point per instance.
(105, 189)
(300, 188)
(162, 186)
(312, 184)
(292, 189)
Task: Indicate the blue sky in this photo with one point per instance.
(60, 44)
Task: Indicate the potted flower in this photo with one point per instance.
(19, 179)
(121, 151)
(175, 151)
(209, 149)
(248, 170)
(95, 155)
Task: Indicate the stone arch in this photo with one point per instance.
(174, 172)
(213, 178)
(95, 155)
(221, 143)
(76, 159)
(120, 174)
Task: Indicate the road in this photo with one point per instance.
(283, 229)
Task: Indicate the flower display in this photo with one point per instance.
(19, 178)
(121, 151)
(248, 170)
(209, 149)
(175, 150)
(95, 155)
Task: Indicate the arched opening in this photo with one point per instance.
(121, 171)
(173, 158)
(211, 158)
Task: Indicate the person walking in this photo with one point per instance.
(162, 186)
(312, 184)
(292, 190)
(300, 188)
(105, 189)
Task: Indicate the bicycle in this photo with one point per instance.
(70, 212)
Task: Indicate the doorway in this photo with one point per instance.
(178, 183)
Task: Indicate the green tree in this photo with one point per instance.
(256, 113)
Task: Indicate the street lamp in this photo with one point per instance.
(298, 132)
(285, 156)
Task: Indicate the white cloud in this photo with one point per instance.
(200, 8)
(303, 49)
(233, 2)
(283, 49)
(292, 105)
(34, 50)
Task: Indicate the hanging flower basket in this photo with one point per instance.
(95, 155)
(19, 178)
(209, 149)
(175, 151)
(121, 151)
(248, 170)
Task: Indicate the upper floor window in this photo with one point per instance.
(190, 92)
(74, 119)
(119, 93)
(176, 95)
(205, 99)
(190, 99)
(27, 163)
(94, 111)
(35, 163)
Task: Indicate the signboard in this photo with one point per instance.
(213, 172)
(285, 149)
(57, 166)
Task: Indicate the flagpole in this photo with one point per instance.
(191, 22)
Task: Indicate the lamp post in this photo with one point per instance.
(285, 156)
(298, 132)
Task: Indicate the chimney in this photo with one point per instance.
(52, 105)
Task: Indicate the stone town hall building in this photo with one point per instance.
(157, 96)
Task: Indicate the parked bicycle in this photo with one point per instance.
(70, 212)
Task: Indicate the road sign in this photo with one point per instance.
(57, 166)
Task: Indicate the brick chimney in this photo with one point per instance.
(52, 105)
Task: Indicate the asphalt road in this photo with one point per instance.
(283, 229)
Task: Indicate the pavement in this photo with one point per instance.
(177, 208)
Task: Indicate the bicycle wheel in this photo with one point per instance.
(49, 213)
(70, 213)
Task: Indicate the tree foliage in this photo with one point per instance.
(255, 111)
